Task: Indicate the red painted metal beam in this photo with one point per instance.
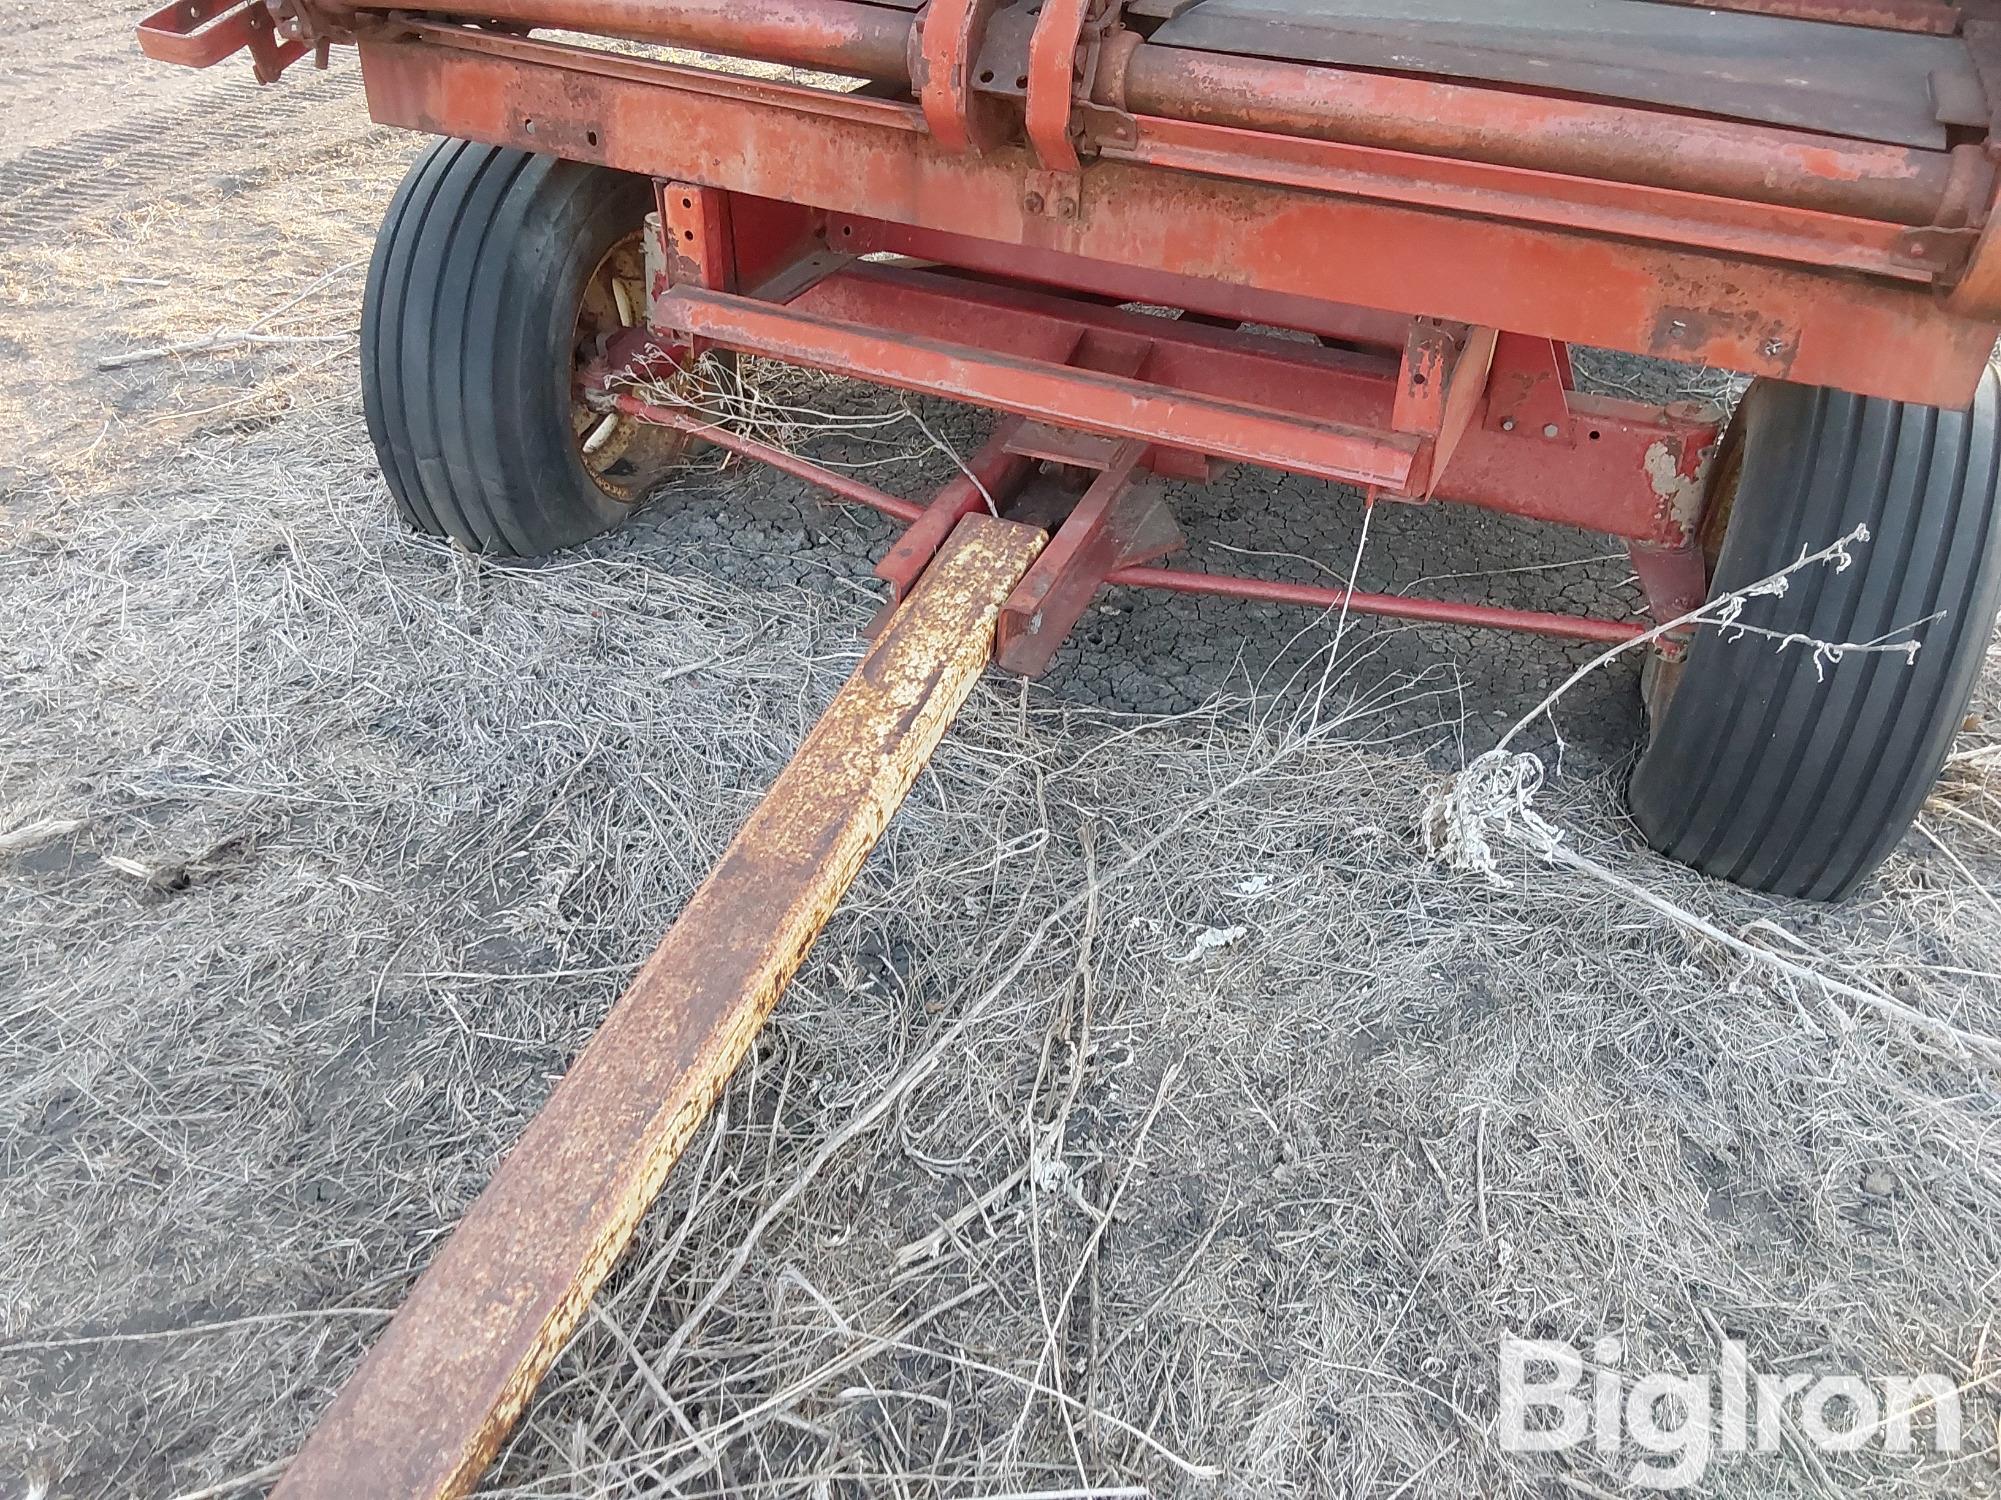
(1059, 586)
(1392, 606)
(1047, 389)
(1129, 283)
(843, 486)
(1667, 215)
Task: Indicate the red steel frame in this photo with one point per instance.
(1447, 240)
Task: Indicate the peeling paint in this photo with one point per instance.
(1679, 486)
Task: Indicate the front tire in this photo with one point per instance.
(1760, 772)
(493, 273)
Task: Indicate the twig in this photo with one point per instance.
(1723, 611)
(34, 835)
(1480, 1173)
(215, 344)
(255, 1320)
(233, 1486)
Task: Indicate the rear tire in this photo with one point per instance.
(1758, 771)
(488, 273)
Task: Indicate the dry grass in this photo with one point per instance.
(323, 848)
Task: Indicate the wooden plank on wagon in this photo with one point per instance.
(424, 1413)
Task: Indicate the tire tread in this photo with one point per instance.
(1775, 768)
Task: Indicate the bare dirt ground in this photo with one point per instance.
(323, 848)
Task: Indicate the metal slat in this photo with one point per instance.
(1811, 75)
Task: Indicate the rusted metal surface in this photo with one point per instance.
(872, 158)
(432, 1401)
(836, 36)
(1836, 80)
(201, 33)
(1599, 142)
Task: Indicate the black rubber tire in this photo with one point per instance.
(1762, 774)
(468, 335)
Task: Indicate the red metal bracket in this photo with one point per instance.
(1066, 445)
(1443, 373)
(1431, 353)
(945, 49)
(1055, 62)
(1116, 524)
(201, 33)
(695, 227)
(1528, 388)
(1062, 64)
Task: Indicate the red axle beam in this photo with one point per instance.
(1048, 388)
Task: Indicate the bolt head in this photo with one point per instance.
(1033, 203)
(1507, 424)
(1551, 430)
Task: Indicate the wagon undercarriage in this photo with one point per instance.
(1346, 240)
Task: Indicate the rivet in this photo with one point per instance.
(1507, 424)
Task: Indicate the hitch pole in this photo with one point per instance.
(431, 1403)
